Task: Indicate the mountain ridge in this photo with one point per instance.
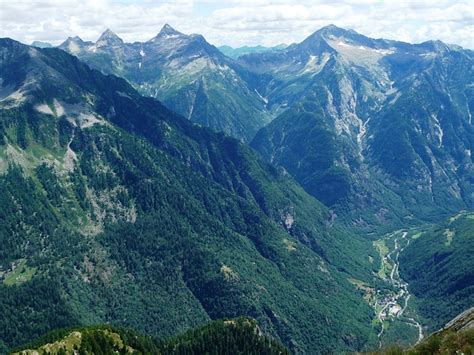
(188, 74)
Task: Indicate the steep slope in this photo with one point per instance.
(439, 268)
(368, 125)
(235, 336)
(456, 337)
(186, 73)
(116, 210)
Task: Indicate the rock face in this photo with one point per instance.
(186, 73)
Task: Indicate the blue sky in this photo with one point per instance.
(238, 22)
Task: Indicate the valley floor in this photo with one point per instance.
(391, 299)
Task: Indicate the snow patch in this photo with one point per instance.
(360, 54)
(395, 98)
(142, 53)
(168, 37)
(264, 99)
(314, 65)
(438, 130)
(92, 48)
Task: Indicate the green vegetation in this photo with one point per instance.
(19, 274)
(456, 338)
(440, 270)
(159, 225)
(385, 267)
(238, 336)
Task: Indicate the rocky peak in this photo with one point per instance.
(75, 39)
(109, 38)
(331, 30)
(168, 30)
(73, 44)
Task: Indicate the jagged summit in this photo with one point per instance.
(73, 45)
(76, 39)
(167, 31)
(109, 37)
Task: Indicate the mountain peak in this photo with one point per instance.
(330, 27)
(436, 45)
(322, 37)
(109, 37)
(72, 44)
(168, 30)
(332, 30)
(74, 39)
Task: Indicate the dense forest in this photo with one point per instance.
(118, 211)
(233, 337)
(439, 270)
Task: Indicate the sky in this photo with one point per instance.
(238, 22)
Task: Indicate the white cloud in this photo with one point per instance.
(238, 22)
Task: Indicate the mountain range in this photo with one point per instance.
(115, 209)
(356, 121)
(324, 189)
(186, 73)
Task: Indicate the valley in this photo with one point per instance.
(391, 302)
(163, 185)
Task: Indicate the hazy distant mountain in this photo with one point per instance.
(235, 53)
(188, 74)
(40, 44)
